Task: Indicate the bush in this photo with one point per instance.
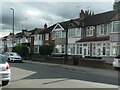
(46, 49)
(21, 49)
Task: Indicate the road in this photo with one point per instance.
(33, 75)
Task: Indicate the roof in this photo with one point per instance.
(98, 18)
(89, 39)
(47, 30)
(87, 21)
(18, 35)
(73, 23)
(36, 30)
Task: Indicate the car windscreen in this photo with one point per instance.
(13, 54)
(2, 60)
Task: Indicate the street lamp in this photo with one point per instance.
(13, 27)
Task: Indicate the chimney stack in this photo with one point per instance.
(45, 26)
(85, 14)
(82, 14)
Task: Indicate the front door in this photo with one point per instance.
(85, 51)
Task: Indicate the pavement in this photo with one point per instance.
(105, 72)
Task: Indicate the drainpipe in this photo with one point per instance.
(66, 46)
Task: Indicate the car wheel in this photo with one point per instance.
(116, 68)
(4, 83)
(21, 61)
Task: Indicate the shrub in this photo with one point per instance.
(21, 49)
(46, 49)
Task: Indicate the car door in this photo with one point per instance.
(6, 55)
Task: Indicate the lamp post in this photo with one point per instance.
(13, 28)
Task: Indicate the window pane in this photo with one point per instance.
(104, 50)
(46, 36)
(80, 50)
(116, 26)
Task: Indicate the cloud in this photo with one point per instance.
(38, 13)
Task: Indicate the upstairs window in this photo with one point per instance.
(116, 26)
(103, 29)
(74, 32)
(90, 31)
(46, 36)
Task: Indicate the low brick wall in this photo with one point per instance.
(37, 57)
(49, 59)
(73, 60)
(92, 63)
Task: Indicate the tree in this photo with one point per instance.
(116, 5)
(46, 49)
(22, 50)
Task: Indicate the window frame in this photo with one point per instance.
(113, 31)
(103, 29)
(90, 30)
(47, 36)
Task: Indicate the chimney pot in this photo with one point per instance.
(82, 14)
(45, 26)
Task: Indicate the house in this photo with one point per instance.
(97, 35)
(18, 37)
(65, 35)
(90, 35)
(8, 42)
(41, 36)
(47, 35)
(38, 39)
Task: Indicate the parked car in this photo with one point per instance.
(116, 62)
(13, 57)
(5, 72)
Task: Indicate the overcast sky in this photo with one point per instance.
(32, 15)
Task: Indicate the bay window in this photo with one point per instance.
(46, 36)
(74, 32)
(71, 49)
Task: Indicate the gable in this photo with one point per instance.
(58, 27)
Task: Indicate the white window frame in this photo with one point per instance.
(78, 49)
(59, 33)
(74, 32)
(90, 30)
(47, 36)
(71, 49)
(117, 22)
(102, 29)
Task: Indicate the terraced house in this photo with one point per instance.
(98, 31)
(90, 35)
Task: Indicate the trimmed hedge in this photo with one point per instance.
(21, 49)
(46, 49)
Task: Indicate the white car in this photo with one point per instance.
(116, 62)
(5, 71)
(13, 56)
